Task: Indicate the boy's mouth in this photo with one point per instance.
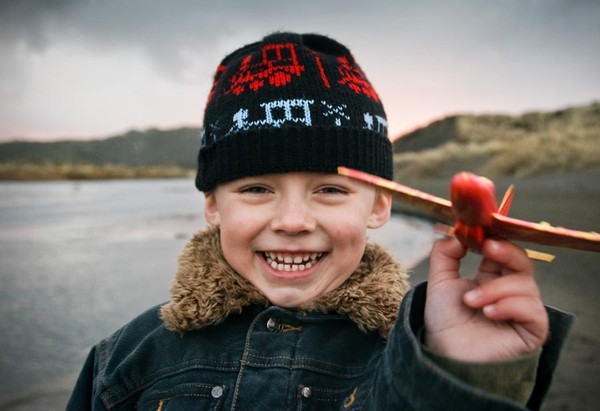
(291, 262)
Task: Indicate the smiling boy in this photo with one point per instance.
(283, 304)
(295, 236)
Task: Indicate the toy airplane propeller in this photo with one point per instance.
(474, 216)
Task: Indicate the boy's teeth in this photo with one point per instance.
(291, 262)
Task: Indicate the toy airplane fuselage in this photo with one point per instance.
(473, 201)
(474, 215)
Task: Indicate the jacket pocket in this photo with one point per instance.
(188, 396)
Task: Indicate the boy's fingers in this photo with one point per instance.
(522, 309)
(502, 287)
(503, 256)
(528, 313)
(445, 259)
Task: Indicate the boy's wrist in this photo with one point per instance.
(512, 378)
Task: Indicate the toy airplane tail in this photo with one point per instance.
(507, 200)
(503, 210)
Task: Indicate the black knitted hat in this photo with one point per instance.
(291, 102)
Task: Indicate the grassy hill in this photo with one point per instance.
(150, 153)
(502, 146)
(153, 147)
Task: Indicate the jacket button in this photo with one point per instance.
(217, 391)
(306, 392)
(273, 324)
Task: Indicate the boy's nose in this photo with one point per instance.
(293, 217)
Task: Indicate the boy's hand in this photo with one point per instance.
(494, 316)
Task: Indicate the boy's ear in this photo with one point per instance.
(211, 211)
(382, 209)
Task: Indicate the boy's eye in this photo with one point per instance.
(332, 190)
(254, 189)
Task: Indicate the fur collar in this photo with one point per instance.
(206, 290)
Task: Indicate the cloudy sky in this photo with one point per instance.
(85, 68)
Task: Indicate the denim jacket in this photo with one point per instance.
(219, 345)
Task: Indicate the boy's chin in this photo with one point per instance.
(287, 298)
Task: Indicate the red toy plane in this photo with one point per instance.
(474, 215)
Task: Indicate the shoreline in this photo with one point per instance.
(88, 172)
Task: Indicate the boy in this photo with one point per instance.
(281, 304)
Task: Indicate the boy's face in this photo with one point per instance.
(295, 236)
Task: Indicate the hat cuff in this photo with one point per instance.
(290, 149)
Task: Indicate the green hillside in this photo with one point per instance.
(502, 146)
(177, 147)
(137, 154)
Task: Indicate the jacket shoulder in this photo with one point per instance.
(120, 357)
(130, 335)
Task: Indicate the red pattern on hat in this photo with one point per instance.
(279, 63)
(220, 69)
(322, 72)
(354, 78)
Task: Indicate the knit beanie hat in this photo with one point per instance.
(290, 103)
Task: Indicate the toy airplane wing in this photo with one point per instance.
(544, 233)
(501, 226)
(435, 206)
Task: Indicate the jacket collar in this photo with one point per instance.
(206, 289)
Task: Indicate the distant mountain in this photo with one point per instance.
(150, 148)
(502, 146)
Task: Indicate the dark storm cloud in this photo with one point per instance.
(164, 31)
(161, 30)
(27, 21)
